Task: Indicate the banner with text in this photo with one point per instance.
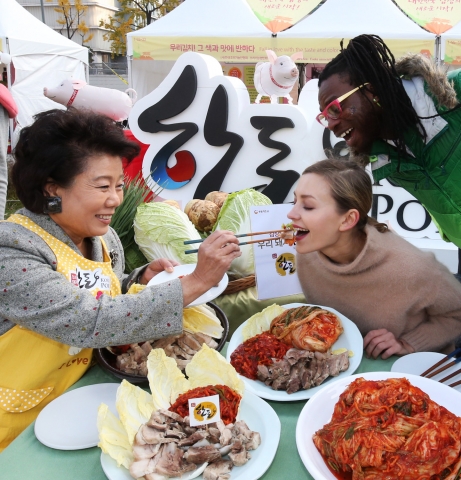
(436, 16)
(253, 50)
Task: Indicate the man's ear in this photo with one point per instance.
(350, 220)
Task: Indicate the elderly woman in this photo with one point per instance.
(61, 267)
(401, 299)
(405, 116)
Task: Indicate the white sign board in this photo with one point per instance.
(204, 135)
(275, 261)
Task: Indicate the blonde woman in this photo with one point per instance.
(402, 299)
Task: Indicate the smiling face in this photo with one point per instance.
(359, 122)
(315, 216)
(89, 203)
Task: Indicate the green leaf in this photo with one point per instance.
(350, 432)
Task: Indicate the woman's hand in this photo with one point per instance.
(382, 342)
(215, 255)
(155, 267)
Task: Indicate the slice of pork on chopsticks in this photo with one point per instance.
(439, 367)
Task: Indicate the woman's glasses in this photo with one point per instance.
(333, 110)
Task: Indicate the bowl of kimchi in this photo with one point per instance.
(413, 409)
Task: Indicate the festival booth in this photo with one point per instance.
(228, 31)
(39, 57)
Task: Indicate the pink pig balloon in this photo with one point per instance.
(108, 101)
(276, 77)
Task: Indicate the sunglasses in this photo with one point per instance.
(333, 110)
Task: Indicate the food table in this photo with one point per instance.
(26, 457)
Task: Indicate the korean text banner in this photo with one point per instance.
(252, 50)
(436, 16)
(278, 15)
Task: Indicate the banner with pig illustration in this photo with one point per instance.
(204, 135)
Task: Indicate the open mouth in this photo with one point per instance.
(346, 135)
(300, 233)
(104, 218)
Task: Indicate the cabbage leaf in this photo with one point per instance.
(166, 381)
(134, 407)
(113, 438)
(261, 322)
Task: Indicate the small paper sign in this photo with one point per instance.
(204, 410)
(275, 261)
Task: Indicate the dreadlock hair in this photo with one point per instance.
(368, 59)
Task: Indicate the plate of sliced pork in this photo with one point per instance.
(288, 352)
(178, 432)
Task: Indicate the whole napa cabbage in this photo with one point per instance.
(160, 231)
(235, 216)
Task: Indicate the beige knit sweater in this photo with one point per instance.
(391, 285)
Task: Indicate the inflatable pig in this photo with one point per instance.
(108, 101)
(276, 77)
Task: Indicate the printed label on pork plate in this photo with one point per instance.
(204, 410)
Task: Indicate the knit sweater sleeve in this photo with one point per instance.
(33, 294)
(442, 303)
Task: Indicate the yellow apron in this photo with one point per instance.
(34, 369)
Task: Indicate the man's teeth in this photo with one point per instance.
(105, 217)
(346, 132)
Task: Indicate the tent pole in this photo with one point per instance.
(438, 52)
(8, 84)
(130, 71)
(43, 11)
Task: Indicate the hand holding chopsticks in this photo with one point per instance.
(434, 370)
(188, 242)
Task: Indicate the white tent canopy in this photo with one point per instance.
(41, 58)
(230, 19)
(337, 19)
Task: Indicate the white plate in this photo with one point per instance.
(259, 416)
(319, 409)
(182, 270)
(69, 421)
(351, 339)
(417, 363)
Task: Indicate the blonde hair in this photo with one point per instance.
(351, 188)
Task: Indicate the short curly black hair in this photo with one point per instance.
(57, 145)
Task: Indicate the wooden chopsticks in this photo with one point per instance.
(188, 242)
(434, 370)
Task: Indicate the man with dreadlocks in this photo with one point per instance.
(404, 117)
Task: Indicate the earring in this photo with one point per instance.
(52, 205)
(376, 101)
